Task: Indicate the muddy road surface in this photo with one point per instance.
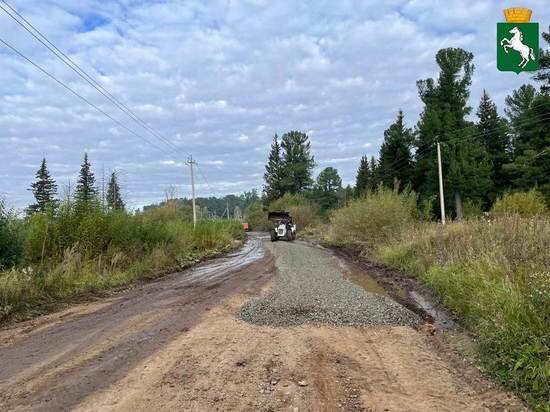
(181, 342)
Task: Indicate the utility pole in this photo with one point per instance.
(103, 186)
(441, 196)
(191, 162)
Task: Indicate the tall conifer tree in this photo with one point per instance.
(114, 197)
(374, 180)
(86, 192)
(298, 162)
(273, 187)
(362, 181)
(443, 120)
(396, 160)
(493, 133)
(528, 114)
(44, 190)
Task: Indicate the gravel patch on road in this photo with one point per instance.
(310, 288)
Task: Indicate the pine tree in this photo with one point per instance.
(362, 181)
(86, 192)
(396, 160)
(443, 120)
(298, 162)
(114, 197)
(273, 187)
(44, 190)
(493, 133)
(327, 188)
(543, 74)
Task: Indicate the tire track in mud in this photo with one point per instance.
(74, 354)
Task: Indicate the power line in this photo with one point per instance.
(471, 136)
(204, 177)
(82, 73)
(420, 154)
(13, 49)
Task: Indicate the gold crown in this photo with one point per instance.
(517, 15)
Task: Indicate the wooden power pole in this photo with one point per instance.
(441, 195)
(191, 162)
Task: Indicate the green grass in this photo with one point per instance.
(493, 274)
(67, 255)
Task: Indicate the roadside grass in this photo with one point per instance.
(493, 274)
(66, 255)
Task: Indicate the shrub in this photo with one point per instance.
(521, 203)
(256, 217)
(304, 213)
(375, 218)
(11, 238)
(70, 252)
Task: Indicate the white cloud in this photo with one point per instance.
(218, 79)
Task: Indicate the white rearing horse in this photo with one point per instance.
(515, 43)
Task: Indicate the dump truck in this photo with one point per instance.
(283, 227)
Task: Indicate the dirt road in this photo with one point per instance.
(176, 344)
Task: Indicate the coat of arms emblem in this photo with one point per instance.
(517, 41)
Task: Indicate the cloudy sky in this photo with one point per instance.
(218, 78)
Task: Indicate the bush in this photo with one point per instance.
(256, 217)
(11, 238)
(72, 252)
(304, 213)
(376, 218)
(521, 203)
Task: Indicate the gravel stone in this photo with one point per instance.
(310, 288)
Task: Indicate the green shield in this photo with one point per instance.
(517, 47)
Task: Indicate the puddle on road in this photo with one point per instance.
(441, 318)
(363, 280)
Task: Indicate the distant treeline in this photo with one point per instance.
(212, 207)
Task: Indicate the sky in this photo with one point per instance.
(218, 79)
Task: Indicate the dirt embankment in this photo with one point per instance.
(177, 344)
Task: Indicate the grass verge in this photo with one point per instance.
(102, 251)
(493, 274)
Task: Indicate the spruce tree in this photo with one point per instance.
(362, 181)
(374, 176)
(528, 113)
(493, 133)
(273, 176)
(298, 162)
(86, 192)
(44, 190)
(396, 160)
(114, 197)
(443, 120)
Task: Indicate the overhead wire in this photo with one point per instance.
(420, 154)
(84, 99)
(25, 24)
(474, 135)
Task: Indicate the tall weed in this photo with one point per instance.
(375, 218)
(495, 275)
(70, 252)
